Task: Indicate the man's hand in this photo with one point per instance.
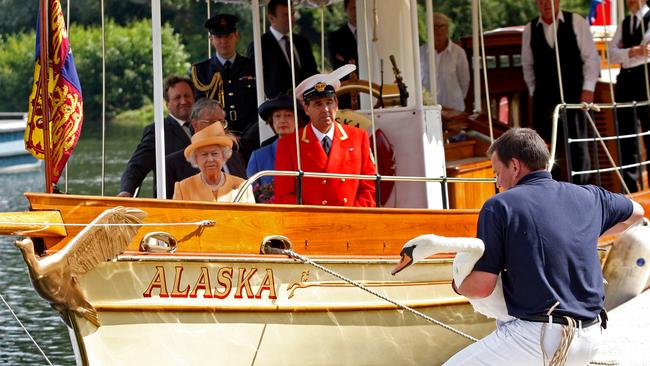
(587, 96)
(124, 194)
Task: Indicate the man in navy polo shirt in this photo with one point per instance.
(541, 236)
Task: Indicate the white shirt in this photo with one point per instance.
(620, 55)
(353, 29)
(223, 60)
(452, 75)
(278, 37)
(182, 124)
(588, 54)
(320, 135)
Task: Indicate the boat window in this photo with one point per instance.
(504, 61)
(516, 60)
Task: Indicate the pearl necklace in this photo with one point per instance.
(214, 187)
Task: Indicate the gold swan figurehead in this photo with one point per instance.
(469, 251)
(56, 277)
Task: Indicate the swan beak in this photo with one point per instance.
(407, 260)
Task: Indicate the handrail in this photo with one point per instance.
(390, 178)
(597, 107)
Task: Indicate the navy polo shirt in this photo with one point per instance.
(542, 236)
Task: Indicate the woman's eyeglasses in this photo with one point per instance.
(205, 123)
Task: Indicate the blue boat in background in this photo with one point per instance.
(13, 156)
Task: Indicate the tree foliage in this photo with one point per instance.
(128, 66)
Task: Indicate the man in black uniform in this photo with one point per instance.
(342, 47)
(230, 79)
(276, 55)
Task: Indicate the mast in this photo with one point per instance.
(161, 191)
(44, 60)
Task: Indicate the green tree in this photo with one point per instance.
(128, 66)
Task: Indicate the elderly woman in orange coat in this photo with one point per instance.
(210, 149)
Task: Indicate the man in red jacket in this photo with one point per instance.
(326, 146)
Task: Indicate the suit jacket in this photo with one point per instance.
(349, 154)
(263, 159)
(178, 168)
(193, 189)
(277, 72)
(143, 159)
(237, 93)
(342, 47)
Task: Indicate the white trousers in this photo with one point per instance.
(517, 342)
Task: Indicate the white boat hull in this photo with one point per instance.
(313, 319)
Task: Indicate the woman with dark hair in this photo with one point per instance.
(278, 113)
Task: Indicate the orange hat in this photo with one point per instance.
(211, 135)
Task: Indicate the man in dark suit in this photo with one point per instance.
(275, 54)
(230, 79)
(179, 98)
(204, 113)
(342, 47)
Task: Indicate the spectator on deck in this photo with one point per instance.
(278, 113)
(209, 151)
(452, 68)
(179, 98)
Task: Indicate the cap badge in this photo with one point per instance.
(320, 86)
(223, 22)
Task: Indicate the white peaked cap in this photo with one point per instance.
(333, 79)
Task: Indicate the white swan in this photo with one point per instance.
(469, 251)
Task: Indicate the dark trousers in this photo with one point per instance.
(630, 86)
(576, 128)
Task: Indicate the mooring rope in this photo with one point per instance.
(25, 329)
(306, 260)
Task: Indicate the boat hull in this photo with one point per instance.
(270, 311)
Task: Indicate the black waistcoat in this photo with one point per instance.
(631, 39)
(546, 78)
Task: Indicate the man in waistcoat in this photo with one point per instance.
(580, 67)
(629, 47)
(230, 79)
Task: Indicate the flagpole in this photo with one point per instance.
(44, 57)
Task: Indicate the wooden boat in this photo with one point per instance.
(13, 156)
(199, 283)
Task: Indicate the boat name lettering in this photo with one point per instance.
(200, 284)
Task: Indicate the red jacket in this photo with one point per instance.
(350, 154)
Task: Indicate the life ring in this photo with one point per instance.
(385, 153)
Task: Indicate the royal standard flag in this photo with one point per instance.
(66, 105)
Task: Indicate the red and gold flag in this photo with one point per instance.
(64, 94)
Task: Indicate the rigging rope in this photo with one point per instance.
(586, 108)
(485, 76)
(202, 223)
(25, 330)
(306, 260)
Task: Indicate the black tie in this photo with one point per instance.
(187, 127)
(227, 65)
(634, 23)
(287, 49)
(327, 144)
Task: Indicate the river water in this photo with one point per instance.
(42, 322)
